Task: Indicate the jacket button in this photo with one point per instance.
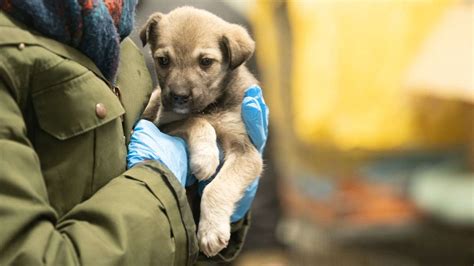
(100, 110)
(21, 46)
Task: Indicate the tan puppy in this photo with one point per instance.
(199, 60)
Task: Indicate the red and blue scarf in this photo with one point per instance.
(94, 27)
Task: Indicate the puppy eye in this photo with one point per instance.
(206, 62)
(163, 61)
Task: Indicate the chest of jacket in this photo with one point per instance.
(77, 125)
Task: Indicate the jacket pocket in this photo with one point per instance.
(76, 106)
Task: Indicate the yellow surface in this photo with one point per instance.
(445, 65)
(349, 59)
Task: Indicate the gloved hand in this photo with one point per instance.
(255, 116)
(149, 143)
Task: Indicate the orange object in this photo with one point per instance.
(354, 203)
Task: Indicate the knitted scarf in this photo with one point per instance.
(94, 27)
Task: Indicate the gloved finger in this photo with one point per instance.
(176, 162)
(245, 203)
(253, 120)
(141, 145)
(256, 92)
(265, 111)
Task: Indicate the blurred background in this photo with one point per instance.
(370, 159)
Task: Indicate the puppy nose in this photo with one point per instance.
(180, 98)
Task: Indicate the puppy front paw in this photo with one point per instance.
(204, 160)
(213, 237)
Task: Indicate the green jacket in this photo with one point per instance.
(66, 197)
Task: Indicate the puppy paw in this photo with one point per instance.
(204, 161)
(213, 237)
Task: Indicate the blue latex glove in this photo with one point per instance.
(255, 115)
(149, 143)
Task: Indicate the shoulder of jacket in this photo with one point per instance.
(15, 33)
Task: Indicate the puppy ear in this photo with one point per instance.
(149, 30)
(238, 44)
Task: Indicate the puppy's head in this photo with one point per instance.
(194, 51)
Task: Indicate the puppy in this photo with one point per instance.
(199, 59)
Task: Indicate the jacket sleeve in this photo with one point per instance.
(139, 218)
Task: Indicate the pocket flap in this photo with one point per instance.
(69, 109)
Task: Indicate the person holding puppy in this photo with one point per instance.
(72, 87)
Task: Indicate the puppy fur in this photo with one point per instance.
(199, 59)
